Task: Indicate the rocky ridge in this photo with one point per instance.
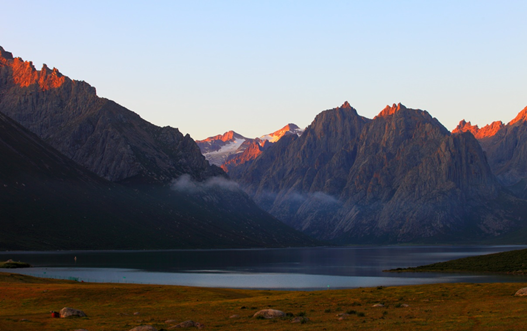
(108, 139)
(400, 177)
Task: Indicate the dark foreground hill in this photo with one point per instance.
(513, 262)
(49, 202)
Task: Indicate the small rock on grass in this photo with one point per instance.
(378, 305)
(269, 313)
(300, 319)
(234, 316)
(186, 324)
(71, 312)
(521, 292)
(144, 328)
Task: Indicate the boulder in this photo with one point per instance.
(300, 319)
(144, 328)
(269, 313)
(71, 312)
(521, 292)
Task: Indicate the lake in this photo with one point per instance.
(287, 268)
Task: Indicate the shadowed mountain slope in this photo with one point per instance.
(50, 202)
(161, 192)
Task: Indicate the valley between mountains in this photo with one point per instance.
(82, 172)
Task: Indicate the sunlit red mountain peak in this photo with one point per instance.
(288, 129)
(24, 73)
(390, 110)
(521, 117)
(227, 136)
(488, 130)
(253, 150)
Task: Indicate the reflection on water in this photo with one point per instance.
(291, 268)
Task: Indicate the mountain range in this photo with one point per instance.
(399, 177)
(83, 172)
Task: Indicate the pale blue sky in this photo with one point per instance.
(207, 67)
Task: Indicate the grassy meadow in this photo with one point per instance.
(26, 302)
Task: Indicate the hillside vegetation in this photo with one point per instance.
(512, 262)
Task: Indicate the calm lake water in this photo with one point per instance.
(290, 268)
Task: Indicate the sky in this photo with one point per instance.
(207, 67)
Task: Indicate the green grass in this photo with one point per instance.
(513, 262)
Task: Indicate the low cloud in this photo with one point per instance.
(186, 184)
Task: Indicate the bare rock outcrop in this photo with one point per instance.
(269, 313)
(71, 312)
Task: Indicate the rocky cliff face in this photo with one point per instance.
(506, 150)
(97, 133)
(397, 178)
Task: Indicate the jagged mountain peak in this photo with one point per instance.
(488, 130)
(346, 104)
(277, 135)
(226, 137)
(465, 126)
(24, 73)
(390, 110)
(521, 117)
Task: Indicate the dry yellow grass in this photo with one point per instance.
(25, 303)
